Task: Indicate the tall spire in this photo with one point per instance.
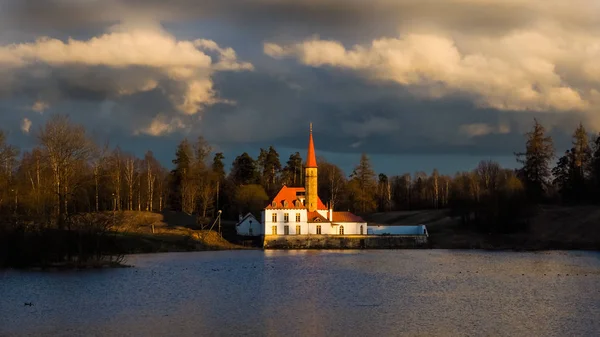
(311, 159)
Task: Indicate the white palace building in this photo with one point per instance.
(300, 211)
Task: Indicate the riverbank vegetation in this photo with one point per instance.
(63, 201)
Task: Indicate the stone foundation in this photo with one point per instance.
(344, 241)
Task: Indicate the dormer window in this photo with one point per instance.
(274, 203)
(285, 203)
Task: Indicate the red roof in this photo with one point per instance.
(316, 217)
(346, 217)
(311, 159)
(289, 194)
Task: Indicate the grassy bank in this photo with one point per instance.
(100, 240)
(146, 232)
(553, 228)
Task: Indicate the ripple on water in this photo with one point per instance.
(320, 293)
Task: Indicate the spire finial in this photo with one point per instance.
(310, 127)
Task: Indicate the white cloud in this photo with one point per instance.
(161, 125)
(25, 125)
(40, 106)
(482, 129)
(177, 67)
(544, 69)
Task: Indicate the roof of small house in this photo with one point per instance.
(346, 217)
(246, 217)
(316, 217)
(289, 194)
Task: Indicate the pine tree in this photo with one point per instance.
(595, 168)
(363, 186)
(180, 176)
(539, 151)
(218, 168)
(270, 167)
(243, 170)
(292, 172)
(562, 173)
(582, 157)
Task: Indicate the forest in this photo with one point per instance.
(68, 175)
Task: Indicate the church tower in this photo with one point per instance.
(310, 175)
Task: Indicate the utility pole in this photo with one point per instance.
(220, 223)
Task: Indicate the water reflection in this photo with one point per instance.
(313, 293)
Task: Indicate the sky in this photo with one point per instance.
(416, 85)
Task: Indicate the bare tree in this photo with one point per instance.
(64, 145)
(98, 165)
(130, 179)
(435, 177)
(116, 173)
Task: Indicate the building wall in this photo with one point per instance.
(350, 228)
(243, 228)
(310, 182)
(267, 216)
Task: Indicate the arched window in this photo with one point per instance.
(361, 229)
(341, 230)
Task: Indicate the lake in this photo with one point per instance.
(312, 293)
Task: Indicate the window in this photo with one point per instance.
(286, 217)
(274, 217)
(286, 230)
(250, 230)
(274, 230)
(318, 229)
(341, 230)
(297, 217)
(361, 230)
(297, 229)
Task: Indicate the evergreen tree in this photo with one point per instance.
(539, 151)
(218, 169)
(384, 193)
(582, 157)
(184, 156)
(363, 186)
(562, 174)
(218, 166)
(292, 172)
(595, 167)
(243, 170)
(270, 166)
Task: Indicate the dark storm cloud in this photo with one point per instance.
(273, 104)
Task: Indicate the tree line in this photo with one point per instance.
(67, 172)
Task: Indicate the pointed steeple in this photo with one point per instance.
(311, 159)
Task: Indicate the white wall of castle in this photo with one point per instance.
(327, 228)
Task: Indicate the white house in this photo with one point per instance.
(300, 211)
(249, 226)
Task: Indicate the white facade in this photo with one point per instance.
(295, 218)
(275, 223)
(249, 226)
(350, 228)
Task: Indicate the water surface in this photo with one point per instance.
(312, 293)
